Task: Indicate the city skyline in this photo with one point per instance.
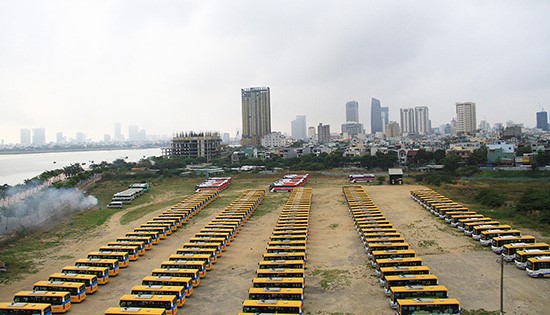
(75, 67)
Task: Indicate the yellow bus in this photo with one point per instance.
(140, 245)
(177, 220)
(408, 279)
(198, 251)
(177, 291)
(427, 306)
(200, 266)
(288, 294)
(167, 302)
(206, 258)
(123, 258)
(179, 272)
(461, 223)
(102, 273)
(76, 289)
(111, 264)
(520, 258)
(401, 270)
(25, 308)
(301, 243)
(286, 249)
(392, 253)
(497, 243)
(272, 306)
(208, 234)
(173, 223)
(469, 227)
(372, 247)
(134, 311)
(476, 235)
(278, 282)
(168, 280)
(213, 245)
(90, 281)
(289, 237)
(220, 240)
(161, 230)
(167, 227)
(396, 262)
(60, 301)
(285, 256)
(280, 272)
(488, 235)
(538, 267)
(155, 236)
(509, 250)
(132, 250)
(417, 292)
(147, 240)
(290, 264)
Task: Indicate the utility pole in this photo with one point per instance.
(501, 284)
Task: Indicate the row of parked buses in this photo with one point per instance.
(408, 284)
(74, 283)
(165, 291)
(280, 278)
(524, 250)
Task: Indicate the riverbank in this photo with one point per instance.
(81, 149)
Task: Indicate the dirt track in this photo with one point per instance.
(470, 273)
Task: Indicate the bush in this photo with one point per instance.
(535, 202)
(490, 198)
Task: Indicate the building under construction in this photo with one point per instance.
(203, 144)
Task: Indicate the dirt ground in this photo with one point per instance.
(338, 280)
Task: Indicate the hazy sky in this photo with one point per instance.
(170, 66)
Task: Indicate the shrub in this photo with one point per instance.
(535, 202)
(490, 198)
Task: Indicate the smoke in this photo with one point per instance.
(42, 208)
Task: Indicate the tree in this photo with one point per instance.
(478, 157)
(439, 155)
(72, 169)
(451, 163)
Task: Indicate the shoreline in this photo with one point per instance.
(76, 149)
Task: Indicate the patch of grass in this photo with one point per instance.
(333, 279)
(271, 202)
(427, 243)
(333, 226)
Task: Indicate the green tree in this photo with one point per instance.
(451, 163)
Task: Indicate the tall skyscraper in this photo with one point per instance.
(385, 115)
(59, 137)
(39, 136)
(352, 111)
(542, 120)
(466, 117)
(407, 121)
(393, 130)
(323, 133)
(422, 120)
(375, 116)
(298, 129)
(80, 137)
(256, 115)
(25, 137)
(118, 133)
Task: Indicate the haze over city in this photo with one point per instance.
(81, 66)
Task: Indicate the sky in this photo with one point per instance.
(172, 66)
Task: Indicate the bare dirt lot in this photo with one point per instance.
(339, 280)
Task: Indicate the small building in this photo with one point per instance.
(193, 145)
(501, 152)
(395, 176)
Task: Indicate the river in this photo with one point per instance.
(16, 168)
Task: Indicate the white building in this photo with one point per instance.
(466, 117)
(273, 140)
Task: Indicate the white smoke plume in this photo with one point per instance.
(42, 208)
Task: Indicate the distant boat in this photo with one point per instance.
(54, 162)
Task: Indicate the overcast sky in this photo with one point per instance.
(169, 66)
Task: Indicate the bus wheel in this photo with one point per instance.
(540, 275)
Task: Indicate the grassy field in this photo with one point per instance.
(465, 191)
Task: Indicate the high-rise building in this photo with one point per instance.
(311, 132)
(466, 117)
(352, 111)
(59, 137)
(542, 120)
(375, 116)
(407, 121)
(25, 137)
(80, 137)
(298, 129)
(385, 115)
(256, 115)
(393, 130)
(422, 120)
(39, 136)
(118, 133)
(204, 144)
(352, 128)
(133, 133)
(323, 133)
